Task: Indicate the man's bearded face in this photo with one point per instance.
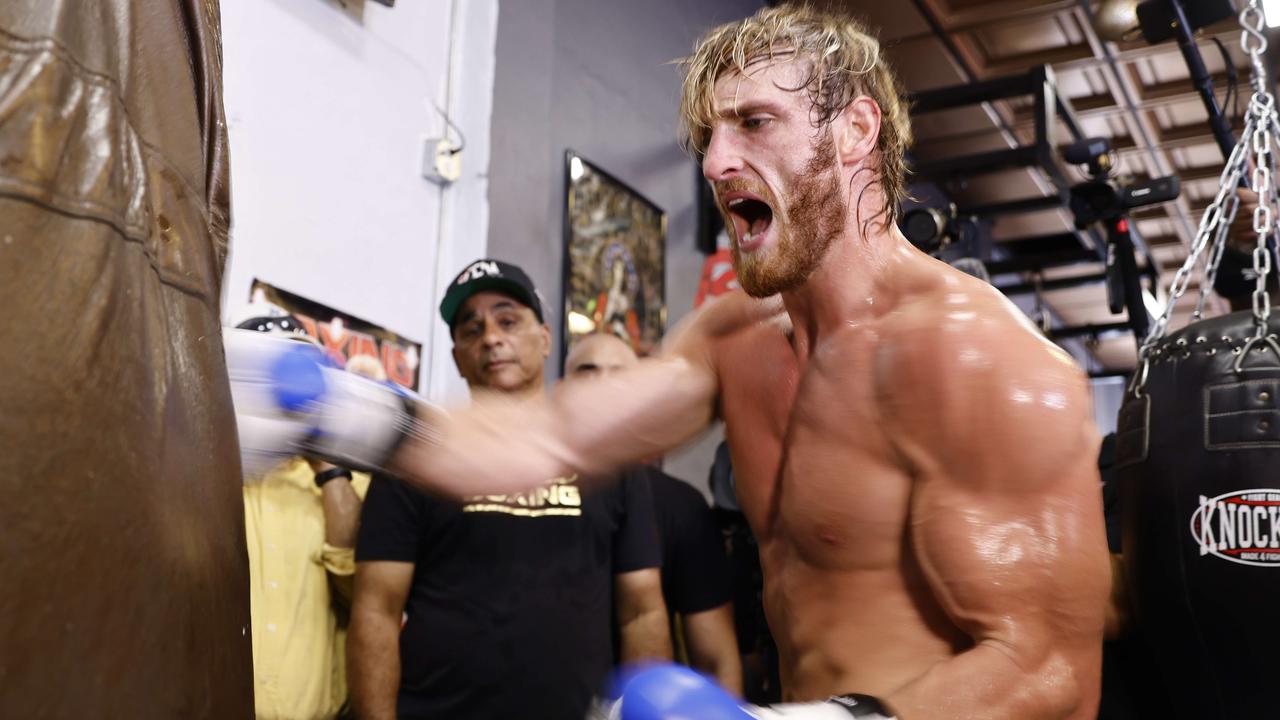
(779, 241)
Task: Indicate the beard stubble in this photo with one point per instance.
(810, 217)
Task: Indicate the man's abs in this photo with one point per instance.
(859, 631)
(828, 500)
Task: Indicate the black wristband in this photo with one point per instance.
(325, 476)
(863, 706)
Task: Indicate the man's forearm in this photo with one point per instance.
(586, 426)
(728, 673)
(373, 664)
(713, 646)
(991, 681)
(645, 637)
(726, 669)
(341, 513)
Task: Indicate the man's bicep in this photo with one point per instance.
(382, 586)
(1013, 545)
(648, 408)
(1006, 511)
(712, 628)
(632, 414)
(638, 591)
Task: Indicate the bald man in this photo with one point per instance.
(696, 583)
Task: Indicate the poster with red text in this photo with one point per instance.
(344, 336)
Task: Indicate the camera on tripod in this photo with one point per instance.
(1101, 198)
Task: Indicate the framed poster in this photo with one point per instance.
(614, 260)
(344, 336)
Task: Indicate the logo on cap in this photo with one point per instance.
(477, 270)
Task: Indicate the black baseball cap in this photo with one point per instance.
(489, 274)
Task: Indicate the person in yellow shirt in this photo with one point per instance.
(301, 520)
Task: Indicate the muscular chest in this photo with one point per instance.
(816, 473)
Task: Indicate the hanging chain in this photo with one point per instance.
(1252, 160)
(1216, 248)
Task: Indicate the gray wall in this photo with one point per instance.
(594, 76)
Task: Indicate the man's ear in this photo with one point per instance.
(857, 130)
(546, 341)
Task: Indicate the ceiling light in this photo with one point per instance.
(1271, 11)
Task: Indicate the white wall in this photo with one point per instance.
(327, 107)
(595, 76)
(1108, 396)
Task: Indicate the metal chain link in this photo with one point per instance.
(1254, 160)
(1262, 220)
(1216, 248)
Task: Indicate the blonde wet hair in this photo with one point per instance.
(845, 62)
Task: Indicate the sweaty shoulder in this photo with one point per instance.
(960, 369)
(720, 319)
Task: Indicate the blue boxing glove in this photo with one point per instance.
(674, 692)
(290, 400)
(668, 692)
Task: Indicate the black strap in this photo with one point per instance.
(325, 476)
(863, 706)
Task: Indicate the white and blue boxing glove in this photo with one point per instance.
(674, 692)
(291, 400)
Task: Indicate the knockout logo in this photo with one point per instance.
(1241, 527)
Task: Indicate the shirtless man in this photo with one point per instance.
(916, 462)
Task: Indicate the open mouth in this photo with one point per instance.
(751, 218)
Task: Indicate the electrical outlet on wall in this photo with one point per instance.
(441, 161)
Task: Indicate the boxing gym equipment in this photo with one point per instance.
(1157, 21)
(930, 228)
(290, 400)
(1198, 450)
(1117, 20)
(1099, 205)
(664, 692)
(1102, 200)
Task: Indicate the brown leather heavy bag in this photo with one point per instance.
(1198, 459)
(123, 572)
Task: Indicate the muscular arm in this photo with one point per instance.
(1005, 520)
(373, 643)
(642, 616)
(588, 425)
(713, 647)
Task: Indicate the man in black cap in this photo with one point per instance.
(500, 336)
(507, 599)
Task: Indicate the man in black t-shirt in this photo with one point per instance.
(696, 582)
(507, 599)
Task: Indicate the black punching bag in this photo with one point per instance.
(1198, 457)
